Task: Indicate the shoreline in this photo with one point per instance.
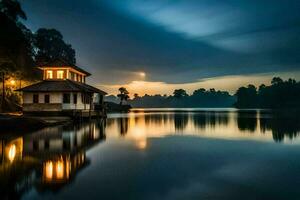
(10, 123)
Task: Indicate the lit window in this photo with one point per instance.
(59, 169)
(60, 74)
(48, 170)
(49, 74)
(12, 152)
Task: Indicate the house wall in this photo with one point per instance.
(56, 102)
(55, 97)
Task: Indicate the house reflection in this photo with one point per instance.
(61, 151)
(63, 139)
(47, 159)
(15, 169)
(11, 150)
(59, 169)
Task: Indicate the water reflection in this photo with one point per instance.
(11, 150)
(247, 121)
(60, 169)
(47, 159)
(281, 126)
(50, 159)
(250, 124)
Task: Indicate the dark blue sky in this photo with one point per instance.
(175, 41)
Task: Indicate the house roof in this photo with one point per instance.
(61, 86)
(62, 63)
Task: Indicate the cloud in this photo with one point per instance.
(174, 41)
(227, 83)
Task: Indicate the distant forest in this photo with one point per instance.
(280, 94)
(199, 98)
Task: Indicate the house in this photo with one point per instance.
(63, 91)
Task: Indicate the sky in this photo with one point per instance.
(156, 46)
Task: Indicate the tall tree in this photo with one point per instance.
(12, 9)
(246, 97)
(124, 95)
(51, 46)
(179, 93)
(15, 39)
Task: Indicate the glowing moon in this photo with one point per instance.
(142, 74)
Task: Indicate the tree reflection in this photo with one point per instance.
(180, 121)
(202, 120)
(157, 119)
(123, 124)
(281, 126)
(247, 120)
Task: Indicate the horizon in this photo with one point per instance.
(151, 46)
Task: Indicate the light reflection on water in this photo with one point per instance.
(225, 124)
(138, 149)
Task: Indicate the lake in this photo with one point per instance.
(157, 154)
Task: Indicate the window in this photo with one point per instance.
(72, 76)
(86, 98)
(60, 74)
(35, 98)
(47, 98)
(66, 98)
(47, 144)
(35, 145)
(75, 98)
(49, 74)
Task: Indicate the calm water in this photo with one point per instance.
(157, 154)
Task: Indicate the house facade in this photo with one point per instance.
(63, 90)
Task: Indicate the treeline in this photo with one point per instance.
(280, 94)
(199, 98)
(21, 49)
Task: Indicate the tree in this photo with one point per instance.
(51, 46)
(179, 93)
(276, 80)
(15, 39)
(12, 9)
(136, 96)
(6, 68)
(199, 91)
(124, 95)
(246, 97)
